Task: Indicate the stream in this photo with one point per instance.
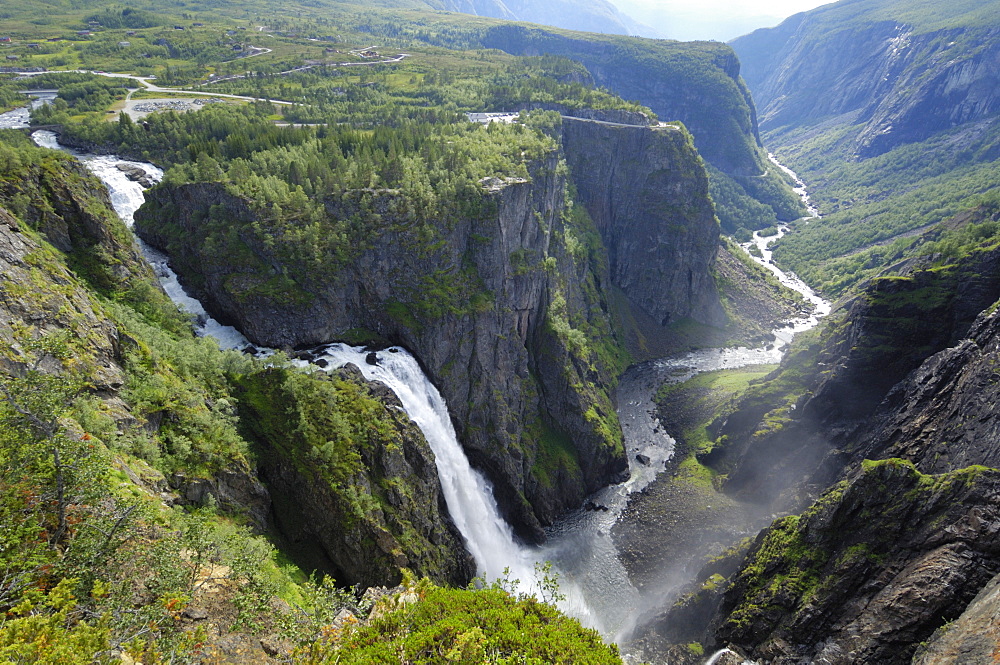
(18, 118)
(126, 197)
(580, 547)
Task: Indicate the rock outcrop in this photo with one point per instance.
(40, 294)
(383, 514)
(508, 309)
(869, 571)
(905, 376)
(696, 83)
(56, 304)
(942, 416)
(972, 638)
(627, 176)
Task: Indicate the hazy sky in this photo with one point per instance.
(711, 19)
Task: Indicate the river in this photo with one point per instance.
(637, 411)
(593, 577)
(18, 118)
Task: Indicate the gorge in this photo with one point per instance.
(637, 420)
(596, 586)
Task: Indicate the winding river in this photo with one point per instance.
(596, 583)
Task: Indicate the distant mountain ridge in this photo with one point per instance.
(589, 16)
(906, 70)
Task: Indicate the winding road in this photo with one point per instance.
(145, 82)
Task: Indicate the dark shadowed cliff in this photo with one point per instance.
(826, 400)
(627, 176)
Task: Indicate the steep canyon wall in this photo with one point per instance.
(507, 307)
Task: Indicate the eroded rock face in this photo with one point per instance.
(398, 289)
(972, 638)
(942, 416)
(38, 296)
(871, 570)
(630, 178)
(866, 355)
(887, 556)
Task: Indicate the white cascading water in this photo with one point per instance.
(126, 197)
(18, 118)
(763, 243)
(717, 656)
(468, 494)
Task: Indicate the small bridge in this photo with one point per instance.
(34, 128)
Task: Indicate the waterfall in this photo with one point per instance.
(126, 197)
(467, 493)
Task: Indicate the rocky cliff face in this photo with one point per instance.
(73, 212)
(65, 206)
(832, 391)
(43, 310)
(905, 376)
(388, 515)
(507, 311)
(696, 83)
(941, 416)
(972, 638)
(871, 570)
(626, 177)
(900, 80)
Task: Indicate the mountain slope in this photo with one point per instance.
(897, 383)
(914, 68)
(891, 133)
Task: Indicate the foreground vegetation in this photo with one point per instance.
(122, 553)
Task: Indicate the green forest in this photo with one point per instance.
(95, 564)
